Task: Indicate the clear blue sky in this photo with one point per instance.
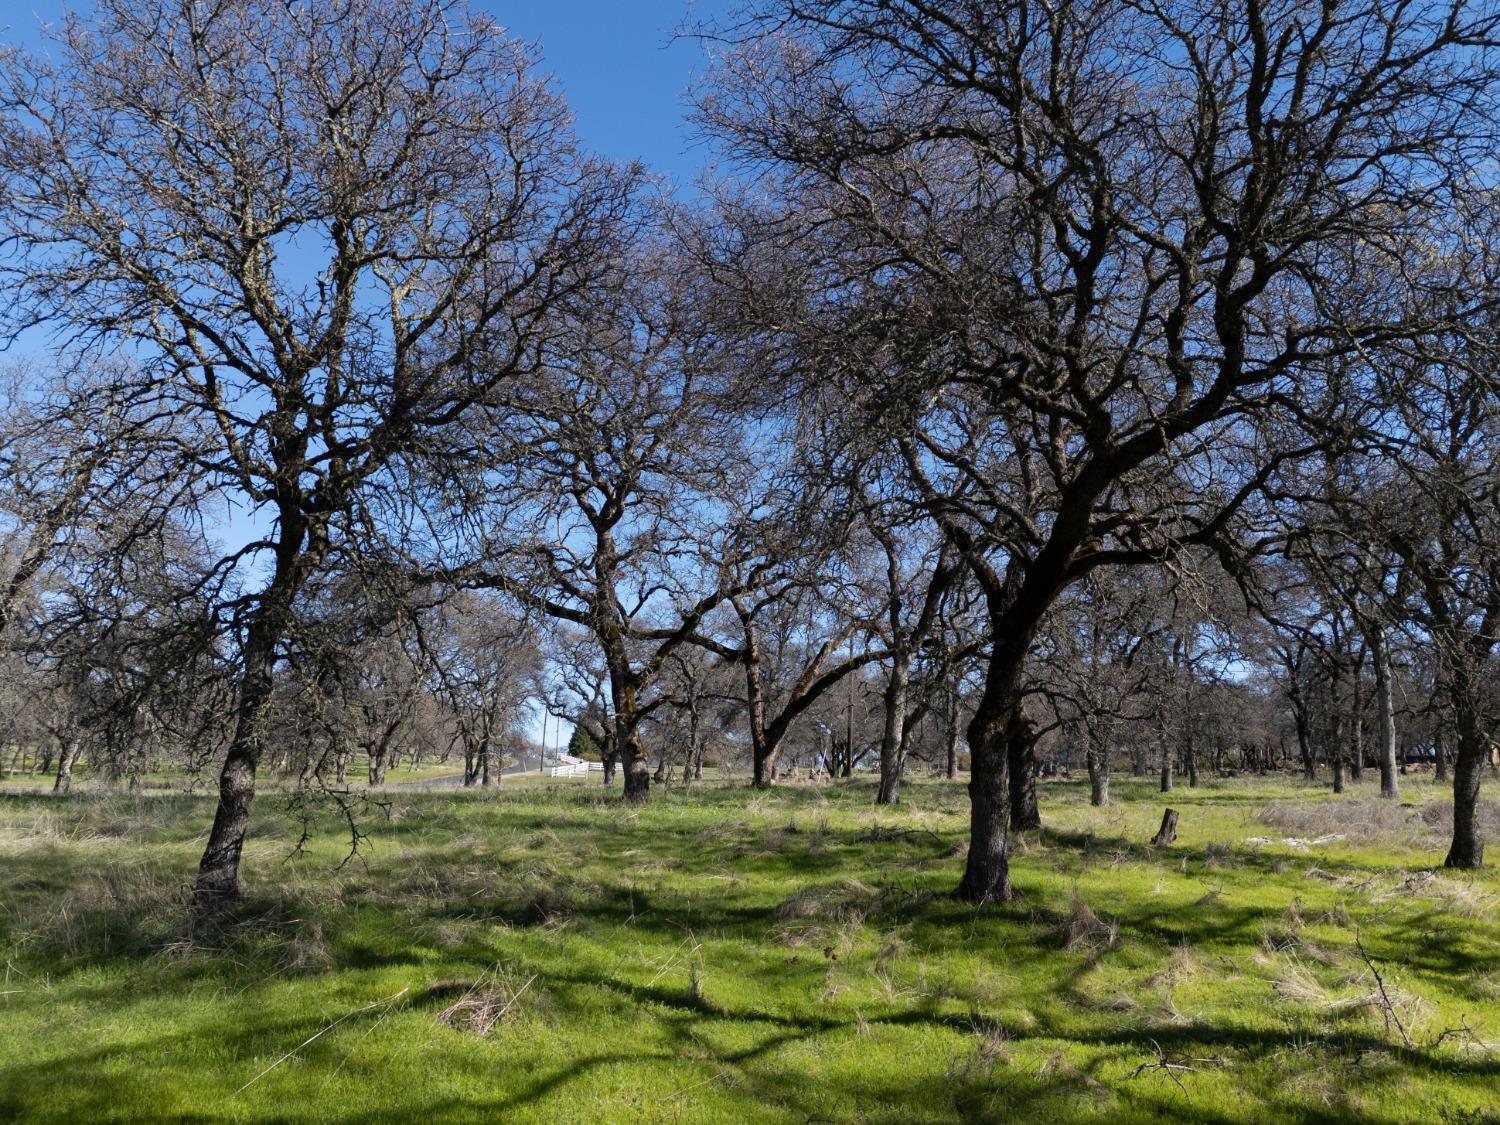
(625, 78)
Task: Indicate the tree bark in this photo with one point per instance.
(1020, 748)
(1385, 720)
(1304, 740)
(987, 867)
(1096, 757)
(66, 758)
(1467, 849)
(637, 771)
(219, 869)
(997, 724)
(1167, 833)
(891, 738)
(951, 734)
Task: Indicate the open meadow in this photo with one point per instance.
(542, 953)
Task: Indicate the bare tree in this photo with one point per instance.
(1076, 258)
(308, 222)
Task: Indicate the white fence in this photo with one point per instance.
(569, 766)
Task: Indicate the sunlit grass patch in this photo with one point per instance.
(539, 953)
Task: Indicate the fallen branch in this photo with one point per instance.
(1165, 1066)
(1387, 1007)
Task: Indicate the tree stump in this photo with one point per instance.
(1167, 833)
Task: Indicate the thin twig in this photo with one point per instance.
(320, 1034)
(695, 1085)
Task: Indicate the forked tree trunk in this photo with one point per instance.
(997, 727)
(637, 770)
(1304, 740)
(987, 866)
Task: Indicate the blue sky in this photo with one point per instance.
(621, 71)
(615, 60)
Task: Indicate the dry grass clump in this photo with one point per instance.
(483, 1004)
(1219, 856)
(1438, 816)
(1453, 896)
(1356, 991)
(1372, 819)
(848, 900)
(1084, 931)
(1180, 966)
(533, 891)
(429, 877)
(831, 916)
(118, 909)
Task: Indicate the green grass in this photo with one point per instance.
(543, 953)
(88, 780)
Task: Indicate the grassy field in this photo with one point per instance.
(86, 780)
(541, 953)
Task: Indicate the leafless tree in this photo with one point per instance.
(307, 222)
(1077, 259)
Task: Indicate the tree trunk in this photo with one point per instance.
(951, 735)
(1020, 748)
(1357, 730)
(66, 758)
(1467, 850)
(891, 739)
(1385, 721)
(637, 771)
(1336, 744)
(219, 869)
(1096, 757)
(1166, 766)
(987, 867)
(1167, 833)
(762, 753)
(1304, 741)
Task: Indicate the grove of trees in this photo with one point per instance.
(1030, 388)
